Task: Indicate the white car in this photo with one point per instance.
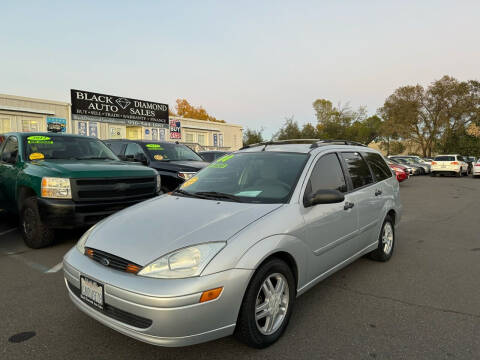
(476, 169)
(449, 164)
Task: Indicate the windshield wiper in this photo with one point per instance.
(218, 195)
(93, 158)
(187, 193)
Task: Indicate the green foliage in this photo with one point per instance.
(252, 136)
(290, 130)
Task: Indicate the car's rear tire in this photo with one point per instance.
(266, 306)
(34, 232)
(433, 174)
(386, 241)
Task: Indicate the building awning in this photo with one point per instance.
(26, 110)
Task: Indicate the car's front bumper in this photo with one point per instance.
(59, 213)
(172, 305)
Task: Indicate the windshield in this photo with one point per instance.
(257, 177)
(39, 147)
(171, 152)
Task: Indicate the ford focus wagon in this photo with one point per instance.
(232, 248)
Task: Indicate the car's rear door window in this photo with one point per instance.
(379, 168)
(358, 169)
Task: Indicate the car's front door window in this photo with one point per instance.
(10, 151)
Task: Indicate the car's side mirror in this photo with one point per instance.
(323, 197)
(9, 158)
(139, 157)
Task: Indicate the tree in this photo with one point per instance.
(427, 116)
(184, 109)
(308, 131)
(290, 130)
(252, 137)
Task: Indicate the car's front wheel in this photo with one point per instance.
(386, 241)
(35, 234)
(267, 305)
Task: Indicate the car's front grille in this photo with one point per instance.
(116, 313)
(113, 261)
(117, 189)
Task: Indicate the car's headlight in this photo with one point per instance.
(186, 175)
(159, 183)
(56, 188)
(81, 243)
(183, 263)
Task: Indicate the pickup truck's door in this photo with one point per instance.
(8, 174)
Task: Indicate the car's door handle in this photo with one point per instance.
(378, 192)
(348, 205)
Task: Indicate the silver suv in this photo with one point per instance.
(231, 249)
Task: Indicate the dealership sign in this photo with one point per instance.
(91, 106)
(175, 129)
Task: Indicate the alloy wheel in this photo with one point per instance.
(271, 305)
(387, 238)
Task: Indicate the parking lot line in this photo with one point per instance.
(28, 262)
(7, 231)
(55, 269)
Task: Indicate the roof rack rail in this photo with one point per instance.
(313, 142)
(280, 142)
(336, 142)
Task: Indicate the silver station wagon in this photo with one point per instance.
(230, 250)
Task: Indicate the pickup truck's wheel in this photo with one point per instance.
(386, 242)
(267, 305)
(35, 234)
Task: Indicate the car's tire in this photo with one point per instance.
(433, 174)
(34, 232)
(386, 241)
(278, 305)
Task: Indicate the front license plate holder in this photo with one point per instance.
(92, 292)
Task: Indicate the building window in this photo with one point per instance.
(220, 140)
(5, 125)
(201, 139)
(189, 137)
(30, 125)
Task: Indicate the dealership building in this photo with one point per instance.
(111, 117)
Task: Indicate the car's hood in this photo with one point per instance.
(92, 168)
(179, 165)
(146, 231)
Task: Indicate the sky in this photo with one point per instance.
(252, 63)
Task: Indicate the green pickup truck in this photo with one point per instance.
(54, 181)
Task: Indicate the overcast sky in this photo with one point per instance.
(249, 62)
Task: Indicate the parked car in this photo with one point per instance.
(476, 169)
(66, 181)
(449, 164)
(413, 169)
(174, 162)
(415, 161)
(262, 226)
(401, 172)
(212, 155)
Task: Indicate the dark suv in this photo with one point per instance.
(174, 162)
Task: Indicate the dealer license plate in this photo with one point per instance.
(91, 292)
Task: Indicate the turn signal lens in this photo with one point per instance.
(132, 268)
(434, 163)
(211, 294)
(89, 253)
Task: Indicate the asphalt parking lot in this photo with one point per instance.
(423, 304)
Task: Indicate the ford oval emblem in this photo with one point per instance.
(104, 261)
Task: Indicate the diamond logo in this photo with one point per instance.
(123, 103)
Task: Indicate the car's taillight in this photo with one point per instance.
(477, 165)
(434, 163)
(454, 163)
